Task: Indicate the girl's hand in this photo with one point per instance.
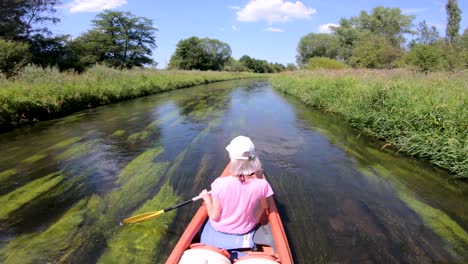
(205, 195)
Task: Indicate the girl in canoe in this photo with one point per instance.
(235, 201)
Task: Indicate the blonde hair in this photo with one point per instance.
(245, 167)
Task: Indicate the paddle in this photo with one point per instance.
(152, 215)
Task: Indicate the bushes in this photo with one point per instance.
(13, 57)
(426, 58)
(325, 63)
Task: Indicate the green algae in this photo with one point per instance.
(34, 158)
(76, 151)
(6, 175)
(140, 164)
(153, 125)
(119, 133)
(50, 245)
(138, 243)
(23, 195)
(65, 143)
(133, 138)
(137, 188)
(439, 222)
(137, 180)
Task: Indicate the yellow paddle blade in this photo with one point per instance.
(142, 217)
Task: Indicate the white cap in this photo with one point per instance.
(241, 148)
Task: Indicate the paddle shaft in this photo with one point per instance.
(196, 198)
(151, 215)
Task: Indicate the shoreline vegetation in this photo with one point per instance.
(421, 115)
(38, 94)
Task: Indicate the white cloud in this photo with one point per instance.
(271, 29)
(234, 7)
(77, 6)
(274, 11)
(412, 11)
(234, 28)
(325, 28)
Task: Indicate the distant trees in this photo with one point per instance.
(316, 45)
(377, 40)
(211, 54)
(453, 21)
(118, 39)
(376, 52)
(426, 35)
(373, 40)
(23, 18)
(200, 54)
(13, 56)
(261, 66)
(426, 58)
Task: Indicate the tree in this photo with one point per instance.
(258, 66)
(217, 52)
(316, 45)
(464, 39)
(13, 56)
(23, 18)
(453, 21)
(427, 35)
(233, 65)
(464, 48)
(200, 54)
(347, 35)
(291, 67)
(425, 57)
(278, 67)
(389, 23)
(375, 52)
(52, 51)
(118, 39)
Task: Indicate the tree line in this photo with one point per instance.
(122, 40)
(377, 40)
(116, 39)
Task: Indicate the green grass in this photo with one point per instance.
(40, 94)
(421, 115)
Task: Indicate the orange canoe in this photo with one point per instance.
(277, 253)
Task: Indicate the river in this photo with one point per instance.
(65, 184)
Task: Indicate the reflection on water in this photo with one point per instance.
(66, 183)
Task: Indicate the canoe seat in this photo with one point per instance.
(199, 253)
(258, 258)
(211, 236)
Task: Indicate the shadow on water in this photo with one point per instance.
(68, 182)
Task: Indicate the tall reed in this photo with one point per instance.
(421, 115)
(38, 94)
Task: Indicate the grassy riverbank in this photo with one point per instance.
(421, 115)
(37, 94)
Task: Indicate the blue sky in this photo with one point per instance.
(262, 29)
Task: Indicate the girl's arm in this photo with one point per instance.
(212, 205)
